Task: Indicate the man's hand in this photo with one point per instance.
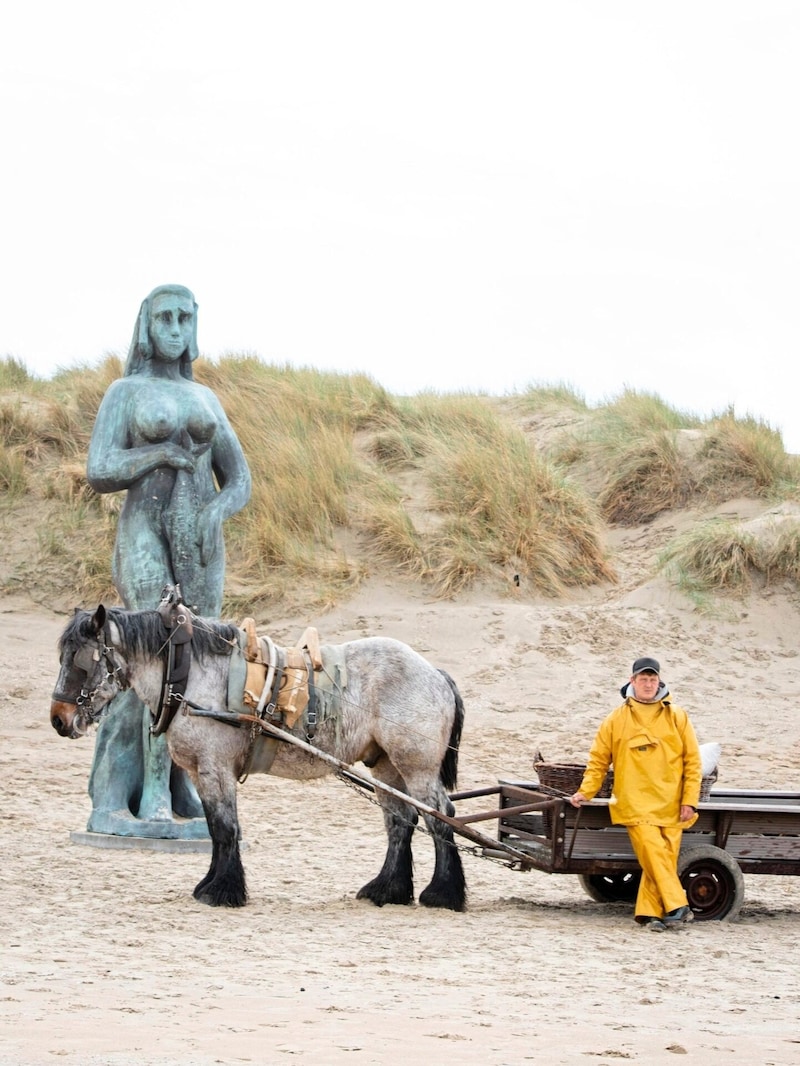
(578, 799)
(687, 812)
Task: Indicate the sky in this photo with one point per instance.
(442, 194)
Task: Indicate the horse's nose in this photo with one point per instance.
(62, 716)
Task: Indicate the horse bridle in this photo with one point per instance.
(84, 661)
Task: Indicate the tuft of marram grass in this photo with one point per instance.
(648, 476)
(782, 559)
(14, 374)
(516, 510)
(13, 474)
(560, 395)
(629, 448)
(744, 456)
(396, 447)
(715, 556)
(394, 538)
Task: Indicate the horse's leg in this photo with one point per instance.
(224, 884)
(395, 882)
(448, 888)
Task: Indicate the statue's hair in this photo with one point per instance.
(141, 347)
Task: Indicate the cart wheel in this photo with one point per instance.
(713, 881)
(611, 888)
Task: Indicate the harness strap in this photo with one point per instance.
(311, 709)
(177, 663)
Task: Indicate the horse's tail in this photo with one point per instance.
(448, 771)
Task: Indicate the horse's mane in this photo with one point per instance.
(144, 632)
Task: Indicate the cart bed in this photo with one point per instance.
(760, 830)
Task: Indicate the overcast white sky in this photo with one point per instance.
(443, 194)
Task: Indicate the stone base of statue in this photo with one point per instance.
(112, 842)
(120, 829)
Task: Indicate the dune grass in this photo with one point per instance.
(648, 476)
(782, 559)
(637, 452)
(444, 490)
(503, 511)
(14, 374)
(745, 456)
(628, 450)
(715, 555)
(543, 397)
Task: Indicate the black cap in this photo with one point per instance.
(641, 665)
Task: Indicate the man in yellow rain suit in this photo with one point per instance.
(657, 777)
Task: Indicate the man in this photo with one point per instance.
(657, 777)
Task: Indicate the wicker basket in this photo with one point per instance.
(706, 783)
(566, 778)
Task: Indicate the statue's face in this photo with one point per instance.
(171, 325)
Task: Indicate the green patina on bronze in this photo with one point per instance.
(164, 440)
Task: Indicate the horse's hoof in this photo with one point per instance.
(451, 901)
(217, 901)
(380, 893)
(217, 894)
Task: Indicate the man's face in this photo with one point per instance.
(645, 685)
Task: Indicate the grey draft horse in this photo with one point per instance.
(399, 715)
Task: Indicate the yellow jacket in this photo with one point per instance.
(656, 762)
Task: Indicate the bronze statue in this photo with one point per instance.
(164, 439)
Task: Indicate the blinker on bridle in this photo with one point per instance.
(85, 660)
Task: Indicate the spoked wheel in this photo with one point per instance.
(611, 887)
(713, 881)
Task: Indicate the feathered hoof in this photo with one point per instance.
(445, 899)
(381, 892)
(215, 896)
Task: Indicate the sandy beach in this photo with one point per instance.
(107, 958)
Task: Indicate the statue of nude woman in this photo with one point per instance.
(165, 440)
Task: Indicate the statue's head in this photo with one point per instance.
(142, 344)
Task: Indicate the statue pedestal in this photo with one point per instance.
(111, 842)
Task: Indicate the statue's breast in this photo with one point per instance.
(161, 414)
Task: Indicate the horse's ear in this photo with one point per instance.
(99, 619)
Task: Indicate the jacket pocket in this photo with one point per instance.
(642, 742)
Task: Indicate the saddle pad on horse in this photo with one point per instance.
(305, 680)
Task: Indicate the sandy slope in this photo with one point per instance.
(106, 958)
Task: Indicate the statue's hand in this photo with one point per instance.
(200, 448)
(178, 457)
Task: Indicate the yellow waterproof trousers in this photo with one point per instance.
(656, 847)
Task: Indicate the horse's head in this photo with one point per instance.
(92, 673)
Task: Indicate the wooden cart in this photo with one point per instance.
(737, 832)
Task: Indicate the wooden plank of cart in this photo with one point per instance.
(737, 831)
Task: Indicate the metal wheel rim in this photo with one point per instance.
(710, 889)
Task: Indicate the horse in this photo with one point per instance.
(396, 713)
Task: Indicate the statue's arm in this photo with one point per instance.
(113, 464)
(230, 468)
